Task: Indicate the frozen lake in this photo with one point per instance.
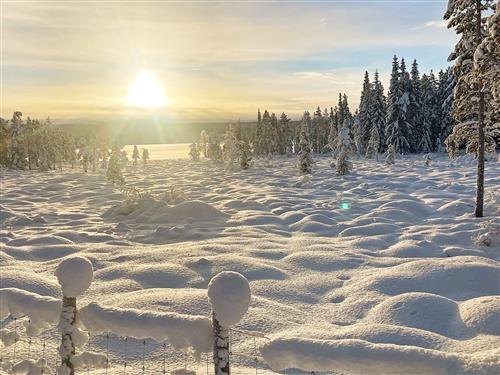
(163, 151)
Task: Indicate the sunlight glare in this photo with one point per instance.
(146, 91)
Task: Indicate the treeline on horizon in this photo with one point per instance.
(415, 116)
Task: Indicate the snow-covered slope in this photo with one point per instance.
(387, 262)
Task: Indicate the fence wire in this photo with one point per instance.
(126, 355)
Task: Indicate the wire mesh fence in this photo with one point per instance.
(126, 355)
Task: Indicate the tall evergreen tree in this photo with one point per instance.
(414, 113)
(445, 102)
(396, 129)
(305, 150)
(362, 133)
(470, 95)
(429, 116)
(378, 109)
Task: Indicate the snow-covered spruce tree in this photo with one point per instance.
(358, 135)
(245, 154)
(373, 144)
(15, 150)
(203, 144)
(390, 154)
(230, 151)
(332, 137)
(396, 128)
(114, 171)
(362, 131)
(83, 154)
(487, 68)
(258, 134)
(144, 156)
(69, 150)
(4, 141)
(471, 94)
(414, 111)
(378, 109)
(305, 150)
(286, 138)
(214, 151)
(135, 155)
(445, 101)
(344, 146)
(194, 152)
(429, 115)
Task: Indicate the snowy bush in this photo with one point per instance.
(245, 154)
(145, 156)
(427, 160)
(114, 171)
(305, 152)
(135, 155)
(194, 152)
(174, 195)
(343, 165)
(390, 155)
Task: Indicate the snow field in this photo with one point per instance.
(398, 278)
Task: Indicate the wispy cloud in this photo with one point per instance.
(435, 24)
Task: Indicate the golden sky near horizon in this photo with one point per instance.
(76, 61)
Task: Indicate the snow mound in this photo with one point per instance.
(413, 249)
(425, 311)
(42, 311)
(165, 275)
(75, 275)
(458, 278)
(361, 357)
(27, 279)
(182, 331)
(482, 314)
(229, 293)
(159, 212)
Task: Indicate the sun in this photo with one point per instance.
(146, 91)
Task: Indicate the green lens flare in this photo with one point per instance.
(345, 206)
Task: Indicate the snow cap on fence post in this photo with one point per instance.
(229, 295)
(75, 275)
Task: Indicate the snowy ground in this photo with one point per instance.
(387, 255)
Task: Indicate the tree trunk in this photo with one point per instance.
(221, 347)
(480, 124)
(66, 325)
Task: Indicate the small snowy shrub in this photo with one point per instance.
(305, 153)
(114, 171)
(145, 156)
(343, 165)
(489, 234)
(427, 160)
(373, 143)
(174, 195)
(135, 155)
(390, 155)
(194, 152)
(245, 154)
(133, 198)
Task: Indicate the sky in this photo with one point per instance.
(215, 61)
